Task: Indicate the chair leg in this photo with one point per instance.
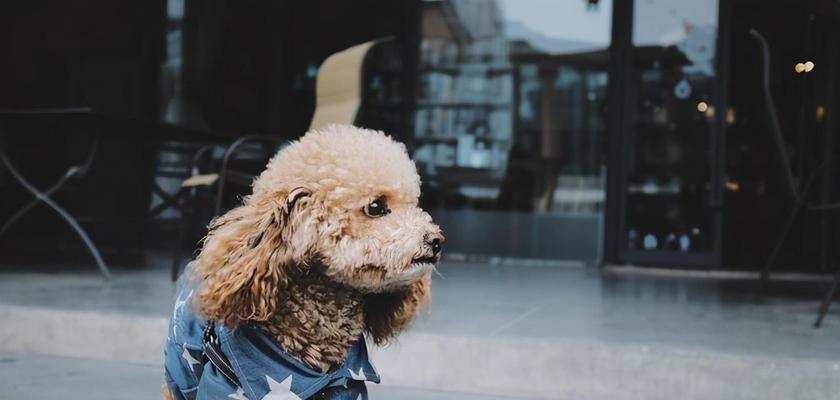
(826, 302)
(82, 235)
(765, 272)
(177, 251)
(187, 207)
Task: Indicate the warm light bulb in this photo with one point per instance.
(799, 68)
(702, 106)
(820, 113)
(732, 186)
(710, 113)
(730, 116)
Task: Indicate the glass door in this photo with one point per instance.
(671, 175)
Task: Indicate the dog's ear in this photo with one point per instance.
(246, 257)
(387, 314)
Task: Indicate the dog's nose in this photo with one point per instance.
(435, 242)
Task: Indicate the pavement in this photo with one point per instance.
(493, 332)
(32, 376)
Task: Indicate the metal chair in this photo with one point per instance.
(798, 196)
(184, 200)
(338, 95)
(238, 176)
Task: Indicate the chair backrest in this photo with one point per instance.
(338, 95)
(338, 88)
(773, 118)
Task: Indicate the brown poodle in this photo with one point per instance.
(330, 247)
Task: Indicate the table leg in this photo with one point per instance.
(44, 197)
(826, 302)
(23, 210)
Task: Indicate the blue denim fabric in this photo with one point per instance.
(260, 364)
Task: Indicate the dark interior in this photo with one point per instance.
(248, 67)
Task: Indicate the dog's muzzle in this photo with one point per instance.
(432, 248)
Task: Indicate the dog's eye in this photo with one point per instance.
(377, 208)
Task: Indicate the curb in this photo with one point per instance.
(566, 369)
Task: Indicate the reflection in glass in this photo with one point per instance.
(669, 171)
(510, 118)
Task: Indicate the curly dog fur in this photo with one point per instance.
(307, 258)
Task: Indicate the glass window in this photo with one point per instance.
(509, 124)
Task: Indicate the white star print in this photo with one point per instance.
(189, 359)
(239, 395)
(178, 304)
(360, 376)
(280, 391)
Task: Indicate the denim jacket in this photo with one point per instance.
(261, 366)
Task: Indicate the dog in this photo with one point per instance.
(330, 248)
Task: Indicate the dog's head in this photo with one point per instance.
(341, 198)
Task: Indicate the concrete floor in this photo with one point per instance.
(569, 332)
(729, 315)
(30, 376)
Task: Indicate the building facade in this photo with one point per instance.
(592, 131)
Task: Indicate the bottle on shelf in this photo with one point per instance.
(650, 242)
(685, 243)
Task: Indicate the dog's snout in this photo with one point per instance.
(435, 243)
